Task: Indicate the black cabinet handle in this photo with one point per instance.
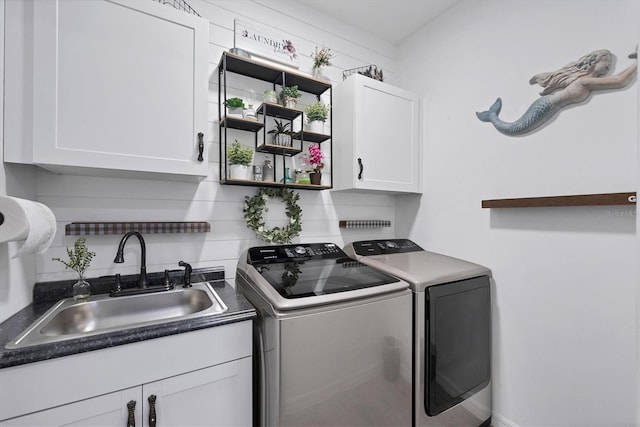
(200, 146)
(152, 411)
(131, 417)
(361, 167)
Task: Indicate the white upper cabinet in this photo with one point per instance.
(376, 137)
(106, 87)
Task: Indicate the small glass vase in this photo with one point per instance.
(287, 179)
(317, 74)
(81, 289)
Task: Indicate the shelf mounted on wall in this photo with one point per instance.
(604, 199)
(104, 228)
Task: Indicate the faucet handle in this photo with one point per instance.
(116, 286)
(187, 273)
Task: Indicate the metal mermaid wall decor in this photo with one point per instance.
(570, 84)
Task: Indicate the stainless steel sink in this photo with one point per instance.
(70, 319)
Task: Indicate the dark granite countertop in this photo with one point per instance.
(47, 294)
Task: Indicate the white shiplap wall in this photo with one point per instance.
(76, 198)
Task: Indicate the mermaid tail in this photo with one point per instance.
(538, 113)
(494, 110)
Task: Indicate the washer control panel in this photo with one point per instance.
(387, 246)
(283, 253)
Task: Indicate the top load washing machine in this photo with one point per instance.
(451, 330)
(332, 338)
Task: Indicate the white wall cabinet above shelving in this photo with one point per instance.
(377, 132)
(106, 87)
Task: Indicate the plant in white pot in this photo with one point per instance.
(235, 106)
(281, 133)
(239, 157)
(316, 115)
(289, 96)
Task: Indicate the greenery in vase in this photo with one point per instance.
(317, 112)
(79, 257)
(322, 57)
(315, 158)
(290, 92)
(238, 154)
(270, 96)
(234, 103)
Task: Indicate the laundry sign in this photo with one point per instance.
(265, 43)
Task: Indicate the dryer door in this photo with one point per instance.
(458, 325)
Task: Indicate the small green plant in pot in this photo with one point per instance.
(79, 260)
(290, 95)
(271, 96)
(239, 157)
(317, 114)
(235, 106)
(281, 133)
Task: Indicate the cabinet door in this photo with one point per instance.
(377, 134)
(106, 410)
(387, 142)
(217, 396)
(116, 85)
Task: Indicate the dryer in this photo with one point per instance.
(451, 330)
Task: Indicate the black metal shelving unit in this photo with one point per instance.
(278, 77)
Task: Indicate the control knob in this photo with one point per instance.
(391, 245)
(300, 250)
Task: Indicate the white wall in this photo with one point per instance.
(16, 275)
(566, 278)
(76, 198)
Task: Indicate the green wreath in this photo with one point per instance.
(255, 206)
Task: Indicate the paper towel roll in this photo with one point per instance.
(26, 220)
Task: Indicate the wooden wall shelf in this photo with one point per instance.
(605, 199)
(103, 228)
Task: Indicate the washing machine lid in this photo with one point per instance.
(406, 260)
(297, 276)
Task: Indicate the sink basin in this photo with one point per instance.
(98, 314)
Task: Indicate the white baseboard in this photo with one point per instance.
(500, 421)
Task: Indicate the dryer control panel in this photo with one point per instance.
(387, 246)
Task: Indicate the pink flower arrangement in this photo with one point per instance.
(315, 158)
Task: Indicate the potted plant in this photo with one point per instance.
(281, 133)
(235, 106)
(317, 114)
(79, 259)
(239, 157)
(271, 96)
(315, 160)
(321, 58)
(289, 96)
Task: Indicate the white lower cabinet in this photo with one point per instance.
(107, 410)
(215, 396)
(200, 378)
